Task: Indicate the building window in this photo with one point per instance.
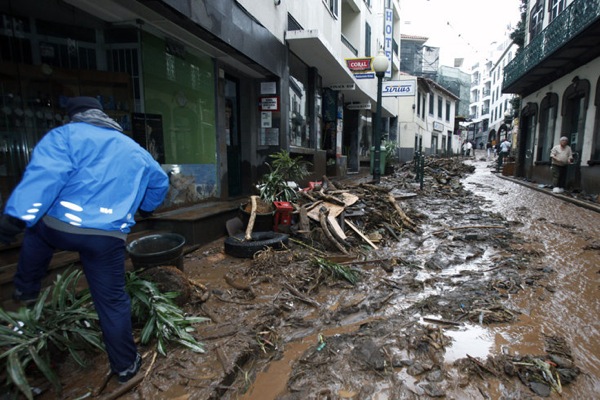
(431, 104)
(419, 103)
(555, 7)
(367, 40)
(536, 19)
(440, 108)
(447, 111)
(333, 7)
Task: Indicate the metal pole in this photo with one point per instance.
(377, 131)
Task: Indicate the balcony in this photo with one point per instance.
(571, 40)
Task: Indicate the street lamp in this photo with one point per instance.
(380, 65)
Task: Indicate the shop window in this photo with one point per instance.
(299, 109)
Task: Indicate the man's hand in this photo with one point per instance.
(9, 228)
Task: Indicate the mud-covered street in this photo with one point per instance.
(492, 294)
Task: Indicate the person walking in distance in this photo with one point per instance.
(80, 192)
(560, 155)
(504, 151)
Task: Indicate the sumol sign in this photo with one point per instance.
(397, 88)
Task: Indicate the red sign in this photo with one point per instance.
(269, 103)
(359, 64)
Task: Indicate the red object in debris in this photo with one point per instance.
(312, 186)
(283, 214)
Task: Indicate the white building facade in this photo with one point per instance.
(557, 75)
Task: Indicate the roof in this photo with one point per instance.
(433, 84)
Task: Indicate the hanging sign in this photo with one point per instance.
(359, 106)
(342, 86)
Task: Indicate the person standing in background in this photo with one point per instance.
(504, 151)
(561, 155)
(80, 192)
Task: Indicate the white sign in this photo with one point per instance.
(268, 88)
(266, 119)
(343, 86)
(388, 38)
(397, 88)
(359, 106)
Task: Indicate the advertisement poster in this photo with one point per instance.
(269, 137)
(148, 133)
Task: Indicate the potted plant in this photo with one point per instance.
(391, 156)
(276, 185)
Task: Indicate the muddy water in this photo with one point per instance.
(569, 305)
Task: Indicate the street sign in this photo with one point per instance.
(359, 106)
(342, 86)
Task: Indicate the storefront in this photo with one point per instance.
(191, 104)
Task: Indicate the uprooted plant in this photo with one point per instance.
(63, 320)
(283, 170)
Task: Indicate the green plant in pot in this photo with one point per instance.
(283, 170)
(275, 186)
(391, 156)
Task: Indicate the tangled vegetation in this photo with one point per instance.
(64, 320)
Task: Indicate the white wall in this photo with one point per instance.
(589, 72)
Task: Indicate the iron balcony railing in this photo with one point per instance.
(565, 26)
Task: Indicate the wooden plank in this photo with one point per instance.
(334, 210)
(336, 227)
(355, 229)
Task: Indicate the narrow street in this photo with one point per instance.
(568, 238)
(497, 278)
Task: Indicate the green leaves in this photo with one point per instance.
(26, 334)
(338, 271)
(64, 318)
(283, 169)
(164, 321)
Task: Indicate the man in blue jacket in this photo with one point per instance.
(80, 192)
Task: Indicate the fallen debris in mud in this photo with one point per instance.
(364, 318)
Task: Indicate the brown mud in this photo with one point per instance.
(493, 296)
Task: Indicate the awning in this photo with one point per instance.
(312, 48)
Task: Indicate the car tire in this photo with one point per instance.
(237, 246)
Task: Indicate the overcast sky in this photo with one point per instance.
(460, 28)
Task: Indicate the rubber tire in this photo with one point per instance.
(236, 246)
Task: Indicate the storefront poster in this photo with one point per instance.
(148, 133)
(269, 137)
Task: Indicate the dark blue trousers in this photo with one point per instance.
(103, 260)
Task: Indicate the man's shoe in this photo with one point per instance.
(556, 190)
(561, 190)
(130, 372)
(25, 299)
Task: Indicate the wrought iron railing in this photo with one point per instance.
(575, 18)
